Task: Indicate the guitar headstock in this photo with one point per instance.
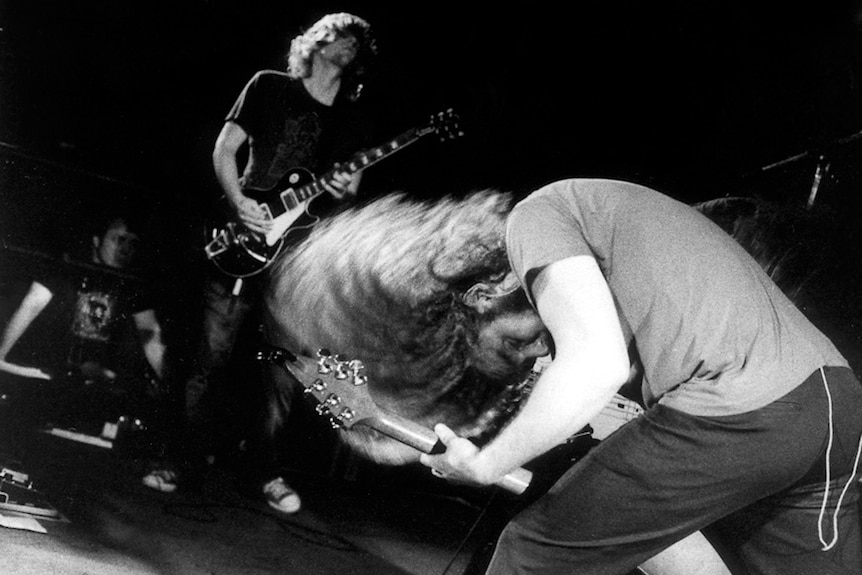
(446, 124)
(337, 384)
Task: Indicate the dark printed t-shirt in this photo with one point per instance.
(715, 335)
(289, 129)
(89, 318)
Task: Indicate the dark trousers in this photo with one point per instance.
(759, 476)
(206, 405)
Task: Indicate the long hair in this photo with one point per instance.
(383, 283)
(324, 32)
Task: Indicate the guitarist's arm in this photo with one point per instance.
(231, 138)
(590, 365)
(150, 332)
(34, 302)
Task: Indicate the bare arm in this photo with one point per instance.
(590, 365)
(37, 298)
(150, 332)
(231, 138)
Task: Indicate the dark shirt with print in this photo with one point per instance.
(89, 319)
(289, 129)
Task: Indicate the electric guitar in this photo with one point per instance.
(240, 252)
(619, 411)
(340, 388)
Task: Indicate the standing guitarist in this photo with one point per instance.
(305, 118)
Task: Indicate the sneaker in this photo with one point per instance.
(281, 497)
(164, 480)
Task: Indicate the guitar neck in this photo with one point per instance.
(337, 384)
(361, 161)
(423, 439)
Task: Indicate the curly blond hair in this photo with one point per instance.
(324, 32)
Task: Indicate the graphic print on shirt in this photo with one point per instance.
(297, 148)
(95, 314)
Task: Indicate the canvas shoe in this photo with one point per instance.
(164, 480)
(281, 497)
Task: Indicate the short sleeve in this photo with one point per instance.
(541, 230)
(247, 108)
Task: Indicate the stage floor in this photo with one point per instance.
(376, 523)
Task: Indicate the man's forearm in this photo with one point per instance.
(564, 400)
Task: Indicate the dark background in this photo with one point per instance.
(110, 104)
(687, 96)
(107, 103)
(117, 103)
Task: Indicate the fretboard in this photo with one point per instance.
(358, 162)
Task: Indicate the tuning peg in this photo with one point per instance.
(356, 367)
(318, 386)
(344, 418)
(332, 400)
(323, 363)
(341, 367)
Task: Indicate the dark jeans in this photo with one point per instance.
(205, 402)
(668, 474)
(225, 373)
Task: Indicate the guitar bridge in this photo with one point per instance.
(219, 244)
(232, 236)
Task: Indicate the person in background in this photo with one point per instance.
(91, 329)
(307, 117)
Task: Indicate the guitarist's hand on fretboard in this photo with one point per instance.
(339, 385)
(342, 184)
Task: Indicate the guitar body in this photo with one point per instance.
(240, 252)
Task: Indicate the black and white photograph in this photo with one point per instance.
(439, 288)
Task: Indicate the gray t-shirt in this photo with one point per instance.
(715, 335)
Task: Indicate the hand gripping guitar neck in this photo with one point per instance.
(341, 390)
